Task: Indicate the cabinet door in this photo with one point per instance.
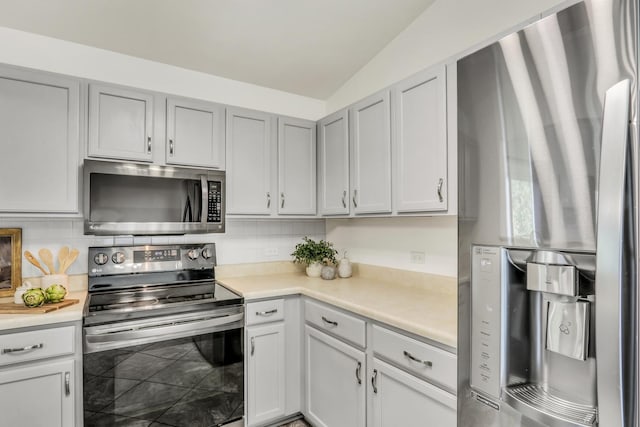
(400, 399)
(250, 158)
(120, 123)
(39, 119)
(265, 373)
(333, 164)
(371, 155)
(296, 166)
(40, 395)
(420, 143)
(195, 133)
(334, 374)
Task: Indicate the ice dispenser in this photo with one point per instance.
(532, 340)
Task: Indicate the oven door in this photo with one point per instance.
(177, 371)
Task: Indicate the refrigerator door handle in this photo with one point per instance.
(609, 255)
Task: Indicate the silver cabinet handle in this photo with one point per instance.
(440, 182)
(358, 372)
(67, 383)
(374, 381)
(253, 345)
(171, 147)
(268, 200)
(329, 322)
(355, 197)
(149, 144)
(19, 350)
(344, 199)
(282, 200)
(409, 356)
(266, 313)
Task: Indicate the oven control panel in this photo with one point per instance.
(150, 258)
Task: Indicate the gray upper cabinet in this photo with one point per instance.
(420, 142)
(296, 167)
(39, 118)
(124, 124)
(333, 164)
(251, 159)
(371, 154)
(195, 133)
(120, 123)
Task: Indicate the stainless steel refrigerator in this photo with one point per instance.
(548, 214)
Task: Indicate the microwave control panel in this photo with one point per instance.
(214, 208)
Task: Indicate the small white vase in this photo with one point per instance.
(314, 269)
(344, 268)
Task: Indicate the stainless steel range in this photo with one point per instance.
(162, 339)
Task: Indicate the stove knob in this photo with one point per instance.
(117, 258)
(100, 258)
(206, 253)
(193, 254)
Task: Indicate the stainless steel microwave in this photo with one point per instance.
(137, 199)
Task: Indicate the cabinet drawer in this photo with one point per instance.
(265, 311)
(34, 345)
(416, 357)
(343, 325)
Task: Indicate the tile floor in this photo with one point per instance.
(297, 423)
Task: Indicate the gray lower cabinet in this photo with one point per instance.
(41, 376)
(401, 399)
(334, 376)
(272, 360)
(359, 373)
(40, 119)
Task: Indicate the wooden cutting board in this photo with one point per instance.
(12, 308)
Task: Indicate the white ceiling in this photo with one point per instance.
(308, 47)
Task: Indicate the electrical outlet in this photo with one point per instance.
(417, 257)
(271, 251)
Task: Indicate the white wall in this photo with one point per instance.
(445, 29)
(245, 241)
(59, 56)
(389, 242)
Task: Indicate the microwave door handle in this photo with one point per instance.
(186, 214)
(610, 252)
(197, 205)
(204, 198)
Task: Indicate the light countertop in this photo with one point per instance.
(77, 290)
(420, 303)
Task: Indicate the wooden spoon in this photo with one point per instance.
(63, 254)
(29, 256)
(47, 257)
(73, 255)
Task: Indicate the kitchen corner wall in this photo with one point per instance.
(245, 241)
(390, 242)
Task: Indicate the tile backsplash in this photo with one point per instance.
(245, 240)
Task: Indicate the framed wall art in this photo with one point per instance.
(10, 260)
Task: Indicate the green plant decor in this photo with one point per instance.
(311, 251)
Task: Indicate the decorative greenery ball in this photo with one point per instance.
(311, 251)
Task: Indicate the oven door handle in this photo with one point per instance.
(164, 330)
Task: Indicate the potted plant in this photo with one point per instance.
(314, 255)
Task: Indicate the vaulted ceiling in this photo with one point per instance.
(307, 47)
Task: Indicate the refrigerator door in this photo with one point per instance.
(530, 122)
(530, 125)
